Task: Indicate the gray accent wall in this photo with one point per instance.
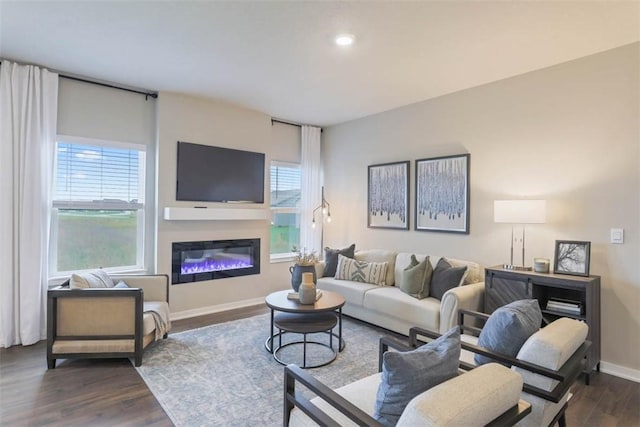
(569, 134)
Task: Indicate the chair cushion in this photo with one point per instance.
(407, 374)
(445, 277)
(509, 327)
(361, 271)
(331, 259)
(416, 278)
(91, 279)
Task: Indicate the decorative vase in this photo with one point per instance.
(296, 274)
(307, 292)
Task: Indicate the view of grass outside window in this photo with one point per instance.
(97, 219)
(285, 207)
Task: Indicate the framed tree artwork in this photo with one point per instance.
(388, 196)
(442, 194)
(572, 257)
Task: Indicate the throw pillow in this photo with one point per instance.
(361, 271)
(445, 277)
(407, 374)
(91, 279)
(121, 284)
(331, 259)
(508, 328)
(416, 278)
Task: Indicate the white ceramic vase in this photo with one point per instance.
(307, 291)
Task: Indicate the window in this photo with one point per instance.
(97, 218)
(285, 208)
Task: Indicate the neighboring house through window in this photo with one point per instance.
(285, 208)
(98, 208)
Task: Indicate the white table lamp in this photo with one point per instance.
(519, 212)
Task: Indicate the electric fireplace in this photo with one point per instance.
(217, 259)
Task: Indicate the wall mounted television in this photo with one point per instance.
(216, 174)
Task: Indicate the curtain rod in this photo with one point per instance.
(289, 123)
(146, 94)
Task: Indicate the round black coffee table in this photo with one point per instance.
(293, 317)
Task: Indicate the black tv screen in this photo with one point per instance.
(216, 174)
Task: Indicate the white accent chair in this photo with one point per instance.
(489, 395)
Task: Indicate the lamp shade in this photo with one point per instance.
(520, 211)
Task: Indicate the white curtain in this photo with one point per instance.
(310, 238)
(28, 114)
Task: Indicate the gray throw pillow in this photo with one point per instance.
(508, 328)
(121, 285)
(407, 374)
(445, 277)
(331, 259)
(416, 278)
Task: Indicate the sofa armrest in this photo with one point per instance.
(469, 297)
(154, 286)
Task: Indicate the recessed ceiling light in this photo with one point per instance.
(344, 39)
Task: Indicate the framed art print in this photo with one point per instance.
(572, 257)
(388, 196)
(442, 194)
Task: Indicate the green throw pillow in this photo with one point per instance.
(416, 278)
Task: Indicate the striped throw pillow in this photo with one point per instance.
(361, 271)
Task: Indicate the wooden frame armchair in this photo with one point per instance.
(548, 375)
(104, 322)
(353, 403)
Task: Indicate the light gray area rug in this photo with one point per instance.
(222, 375)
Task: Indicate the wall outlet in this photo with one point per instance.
(617, 235)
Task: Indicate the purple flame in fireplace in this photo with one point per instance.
(225, 261)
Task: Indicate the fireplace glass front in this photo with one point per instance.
(217, 259)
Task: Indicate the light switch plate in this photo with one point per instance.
(617, 235)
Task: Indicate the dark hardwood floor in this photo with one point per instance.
(109, 392)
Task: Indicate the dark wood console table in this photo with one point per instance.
(504, 286)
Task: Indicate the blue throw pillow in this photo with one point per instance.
(407, 374)
(331, 258)
(508, 328)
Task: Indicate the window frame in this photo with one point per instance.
(140, 206)
(283, 256)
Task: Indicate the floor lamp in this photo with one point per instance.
(326, 211)
(519, 212)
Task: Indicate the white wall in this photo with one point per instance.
(568, 134)
(203, 121)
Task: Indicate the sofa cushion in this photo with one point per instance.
(361, 271)
(353, 292)
(91, 279)
(509, 327)
(395, 303)
(380, 255)
(331, 259)
(407, 374)
(445, 277)
(416, 278)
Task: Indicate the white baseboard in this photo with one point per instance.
(179, 315)
(620, 371)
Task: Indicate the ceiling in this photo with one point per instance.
(278, 57)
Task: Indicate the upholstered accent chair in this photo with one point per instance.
(489, 395)
(107, 322)
(549, 361)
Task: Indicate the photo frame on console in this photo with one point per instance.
(442, 194)
(388, 196)
(572, 257)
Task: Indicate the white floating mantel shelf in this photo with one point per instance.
(215, 214)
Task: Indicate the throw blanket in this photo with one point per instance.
(160, 312)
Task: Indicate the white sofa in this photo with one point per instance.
(387, 306)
